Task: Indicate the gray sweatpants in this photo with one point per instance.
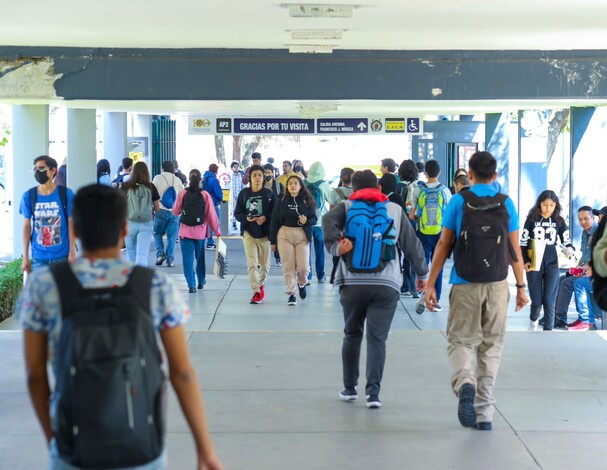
(376, 305)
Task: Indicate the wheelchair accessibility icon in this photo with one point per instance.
(413, 125)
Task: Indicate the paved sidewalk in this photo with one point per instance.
(271, 375)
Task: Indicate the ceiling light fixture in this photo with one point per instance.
(311, 48)
(312, 10)
(317, 33)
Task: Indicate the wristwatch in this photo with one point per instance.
(520, 286)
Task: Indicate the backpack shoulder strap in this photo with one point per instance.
(63, 198)
(67, 284)
(140, 284)
(341, 193)
(422, 185)
(32, 194)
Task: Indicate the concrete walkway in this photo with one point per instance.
(271, 375)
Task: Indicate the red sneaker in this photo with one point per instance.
(262, 293)
(575, 323)
(582, 326)
(256, 299)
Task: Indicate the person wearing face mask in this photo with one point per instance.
(291, 225)
(47, 212)
(299, 170)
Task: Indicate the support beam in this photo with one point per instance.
(30, 139)
(81, 151)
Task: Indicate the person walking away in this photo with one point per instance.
(388, 186)
(197, 215)
(409, 191)
(235, 187)
(253, 211)
(47, 213)
(344, 190)
(142, 200)
(291, 225)
(273, 185)
(428, 212)
(369, 277)
(104, 172)
(544, 226)
(179, 174)
(320, 191)
(211, 185)
(479, 296)
(56, 307)
(165, 222)
(124, 174)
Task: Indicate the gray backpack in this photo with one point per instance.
(109, 403)
(139, 201)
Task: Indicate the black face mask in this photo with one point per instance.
(41, 177)
(268, 178)
(298, 169)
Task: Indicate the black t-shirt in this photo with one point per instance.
(251, 205)
(548, 230)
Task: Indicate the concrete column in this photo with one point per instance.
(81, 151)
(588, 166)
(30, 140)
(114, 139)
(497, 142)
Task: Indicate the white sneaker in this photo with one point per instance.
(534, 325)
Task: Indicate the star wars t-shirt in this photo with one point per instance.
(50, 239)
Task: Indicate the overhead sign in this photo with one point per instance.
(342, 126)
(206, 125)
(273, 126)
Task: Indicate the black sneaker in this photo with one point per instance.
(348, 394)
(170, 264)
(465, 409)
(373, 402)
(540, 322)
(160, 260)
(302, 292)
(192, 290)
(485, 426)
(560, 326)
(292, 300)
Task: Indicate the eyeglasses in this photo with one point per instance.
(41, 169)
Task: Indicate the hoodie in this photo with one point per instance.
(333, 224)
(211, 185)
(316, 178)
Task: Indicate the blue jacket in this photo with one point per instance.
(211, 185)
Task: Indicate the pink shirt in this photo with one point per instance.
(198, 232)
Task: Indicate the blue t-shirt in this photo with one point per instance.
(452, 219)
(51, 234)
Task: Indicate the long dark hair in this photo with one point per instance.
(103, 167)
(407, 171)
(536, 211)
(304, 192)
(195, 179)
(139, 176)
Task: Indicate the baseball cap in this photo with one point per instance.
(601, 211)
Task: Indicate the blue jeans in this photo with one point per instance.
(165, 222)
(319, 253)
(582, 286)
(543, 289)
(193, 251)
(429, 244)
(563, 298)
(137, 242)
(38, 263)
(211, 233)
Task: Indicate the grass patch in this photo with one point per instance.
(11, 283)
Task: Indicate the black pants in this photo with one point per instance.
(543, 289)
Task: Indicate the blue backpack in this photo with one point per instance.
(170, 195)
(314, 189)
(373, 236)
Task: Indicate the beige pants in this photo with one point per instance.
(476, 327)
(257, 253)
(294, 249)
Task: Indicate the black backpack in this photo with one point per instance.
(110, 396)
(599, 283)
(482, 249)
(192, 208)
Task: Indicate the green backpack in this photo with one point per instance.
(430, 208)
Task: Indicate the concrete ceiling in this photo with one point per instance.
(261, 24)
